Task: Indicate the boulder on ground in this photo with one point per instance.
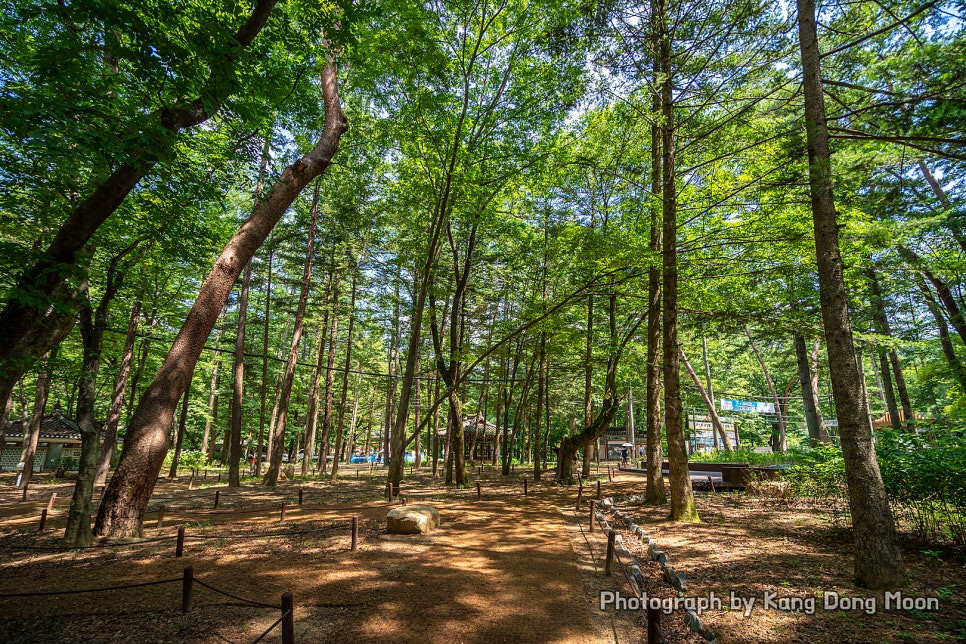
(412, 519)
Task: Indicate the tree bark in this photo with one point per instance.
(27, 330)
(126, 497)
(781, 444)
(812, 412)
(345, 377)
(878, 562)
(182, 428)
(31, 435)
(945, 342)
(285, 392)
(708, 402)
(117, 398)
(329, 378)
(263, 394)
(682, 495)
(238, 388)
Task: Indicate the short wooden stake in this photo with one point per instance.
(593, 507)
(598, 488)
(217, 496)
(610, 474)
(191, 483)
(186, 588)
(355, 532)
(481, 470)
(479, 493)
(43, 520)
(219, 477)
(288, 619)
(24, 498)
(50, 503)
(206, 472)
(653, 625)
(282, 517)
(524, 487)
(610, 551)
(300, 496)
(179, 549)
(160, 516)
(711, 484)
(390, 492)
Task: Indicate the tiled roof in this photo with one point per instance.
(53, 426)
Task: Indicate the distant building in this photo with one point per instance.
(60, 438)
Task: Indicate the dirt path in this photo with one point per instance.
(505, 569)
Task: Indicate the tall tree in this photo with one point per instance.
(878, 562)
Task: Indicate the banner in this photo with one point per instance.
(747, 406)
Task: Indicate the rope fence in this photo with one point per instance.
(188, 580)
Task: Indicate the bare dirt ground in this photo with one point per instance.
(506, 568)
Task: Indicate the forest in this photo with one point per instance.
(275, 235)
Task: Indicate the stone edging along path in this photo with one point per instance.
(676, 580)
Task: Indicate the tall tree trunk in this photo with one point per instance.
(182, 428)
(31, 435)
(541, 384)
(809, 396)
(117, 398)
(238, 381)
(263, 394)
(329, 378)
(890, 356)
(28, 330)
(878, 562)
(345, 377)
(126, 497)
(312, 409)
(682, 495)
(588, 384)
(708, 402)
(207, 439)
(285, 392)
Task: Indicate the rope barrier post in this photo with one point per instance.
(524, 486)
(653, 625)
(610, 474)
(355, 532)
(711, 483)
(598, 488)
(481, 470)
(43, 520)
(610, 552)
(186, 587)
(300, 496)
(24, 498)
(50, 503)
(179, 549)
(390, 491)
(282, 517)
(206, 472)
(219, 477)
(217, 497)
(160, 516)
(479, 493)
(288, 619)
(593, 507)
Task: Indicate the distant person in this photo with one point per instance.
(623, 456)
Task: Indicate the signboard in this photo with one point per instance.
(750, 406)
(831, 422)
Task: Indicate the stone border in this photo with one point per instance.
(677, 580)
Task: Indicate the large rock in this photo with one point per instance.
(412, 519)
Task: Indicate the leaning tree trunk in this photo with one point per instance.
(945, 341)
(708, 402)
(28, 330)
(878, 560)
(126, 497)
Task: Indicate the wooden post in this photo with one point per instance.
(43, 520)
(610, 474)
(653, 625)
(217, 496)
(191, 483)
(580, 488)
(610, 551)
(300, 496)
(355, 532)
(219, 477)
(390, 491)
(282, 517)
(479, 494)
(593, 507)
(160, 516)
(24, 497)
(711, 484)
(288, 619)
(179, 549)
(524, 487)
(598, 488)
(50, 503)
(206, 472)
(186, 587)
